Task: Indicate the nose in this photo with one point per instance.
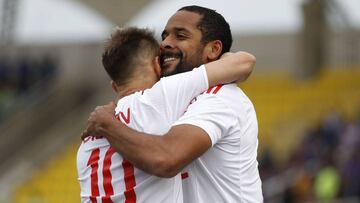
(167, 43)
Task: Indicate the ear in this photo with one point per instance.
(213, 50)
(114, 86)
(157, 67)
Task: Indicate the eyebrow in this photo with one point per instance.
(180, 29)
(177, 29)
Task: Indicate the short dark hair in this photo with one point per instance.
(212, 25)
(125, 50)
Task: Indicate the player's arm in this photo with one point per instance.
(230, 67)
(166, 155)
(163, 156)
(173, 94)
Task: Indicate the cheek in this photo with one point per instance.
(197, 55)
(192, 52)
(204, 57)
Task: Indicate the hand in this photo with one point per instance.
(101, 117)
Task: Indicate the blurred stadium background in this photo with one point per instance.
(306, 90)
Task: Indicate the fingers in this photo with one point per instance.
(97, 118)
(112, 104)
(111, 107)
(85, 134)
(90, 131)
(90, 128)
(108, 108)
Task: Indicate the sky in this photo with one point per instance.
(244, 16)
(49, 21)
(59, 21)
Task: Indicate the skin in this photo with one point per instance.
(147, 75)
(181, 47)
(167, 155)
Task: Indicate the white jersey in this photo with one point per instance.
(228, 171)
(105, 176)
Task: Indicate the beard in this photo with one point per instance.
(183, 65)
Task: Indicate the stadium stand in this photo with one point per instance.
(56, 182)
(40, 129)
(286, 107)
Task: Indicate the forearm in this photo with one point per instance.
(163, 156)
(245, 63)
(149, 153)
(231, 67)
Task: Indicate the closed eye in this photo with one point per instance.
(180, 36)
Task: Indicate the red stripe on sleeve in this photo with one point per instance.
(93, 163)
(129, 177)
(107, 177)
(184, 175)
(217, 89)
(209, 90)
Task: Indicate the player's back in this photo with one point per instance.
(228, 171)
(126, 181)
(105, 175)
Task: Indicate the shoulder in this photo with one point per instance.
(216, 100)
(138, 100)
(227, 92)
(230, 96)
(123, 103)
(224, 89)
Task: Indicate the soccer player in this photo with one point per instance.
(131, 60)
(216, 139)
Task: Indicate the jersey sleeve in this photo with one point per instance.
(173, 94)
(210, 114)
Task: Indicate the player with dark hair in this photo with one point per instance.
(129, 48)
(215, 142)
(213, 26)
(131, 58)
(215, 32)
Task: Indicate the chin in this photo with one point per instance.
(169, 70)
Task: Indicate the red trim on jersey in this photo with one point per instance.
(129, 177)
(107, 177)
(209, 90)
(93, 199)
(184, 175)
(93, 163)
(106, 199)
(217, 89)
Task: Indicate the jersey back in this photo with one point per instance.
(105, 176)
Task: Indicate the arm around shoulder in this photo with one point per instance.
(244, 63)
(182, 145)
(230, 67)
(163, 156)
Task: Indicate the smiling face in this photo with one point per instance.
(181, 46)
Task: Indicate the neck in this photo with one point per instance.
(136, 85)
